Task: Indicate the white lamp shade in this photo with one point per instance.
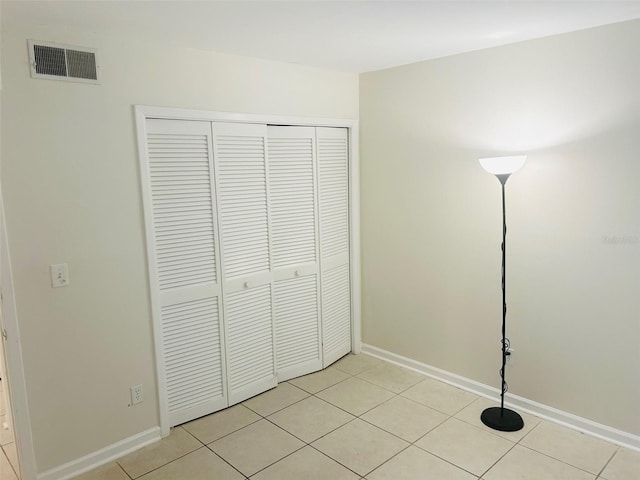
(503, 165)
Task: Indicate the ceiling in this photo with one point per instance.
(353, 36)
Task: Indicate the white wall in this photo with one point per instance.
(431, 217)
(71, 189)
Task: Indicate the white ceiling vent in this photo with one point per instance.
(63, 62)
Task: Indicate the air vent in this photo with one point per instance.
(63, 62)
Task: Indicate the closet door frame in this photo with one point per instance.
(142, 113)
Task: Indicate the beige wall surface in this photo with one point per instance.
(431, 217)
(71, 188)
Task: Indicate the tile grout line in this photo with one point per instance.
(226, 434)
(275, 411)
(444, 459)
(562, 461)
(279, 460)
(387, 388)
(388, 459)
(507, 452)
(322, 389)
(164, 464)
(391, 433)
(220, 456)
(125, 472)
(498, 460)
(599, 475)
(315, 439)
(9, 461)
(529, 432)
(224, 460)
(338, 462)
(595, 475)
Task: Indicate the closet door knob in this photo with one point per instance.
(296, 273)
(247, 284)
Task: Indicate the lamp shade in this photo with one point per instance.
(503, 165)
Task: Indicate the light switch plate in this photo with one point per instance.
(59, 275)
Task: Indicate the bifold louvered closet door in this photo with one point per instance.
(241, 176)
(248, 250)
(333, 199)
(294, 224)
(184, 267)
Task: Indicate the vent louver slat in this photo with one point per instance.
(82, 64)
(50, 60)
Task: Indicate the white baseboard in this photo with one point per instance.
(102, 456)
(546, 412)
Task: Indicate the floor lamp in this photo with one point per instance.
(500, 418)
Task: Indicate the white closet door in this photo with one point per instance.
(293, 213)
(241, 176)
(333, 186)
(185, 280)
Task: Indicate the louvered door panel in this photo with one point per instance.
(293, 212)
(242, 195)
(183, 263)
(292, 195)
(192, 351)
(333, 193)
(336, 312)
(241, 176)
(297, 326)
(182, 209)
(333, 168)
(249, 342)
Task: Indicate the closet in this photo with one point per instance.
(249, 256)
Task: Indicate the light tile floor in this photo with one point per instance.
(366, 419)
(8, 455)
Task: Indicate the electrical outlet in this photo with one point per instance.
(137, 394)
(59, 275)
(510, 358)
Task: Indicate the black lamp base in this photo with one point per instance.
(502, 419)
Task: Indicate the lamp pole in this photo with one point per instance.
(500, 418)
(505, 345)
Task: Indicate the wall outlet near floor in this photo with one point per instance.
(137, 394)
